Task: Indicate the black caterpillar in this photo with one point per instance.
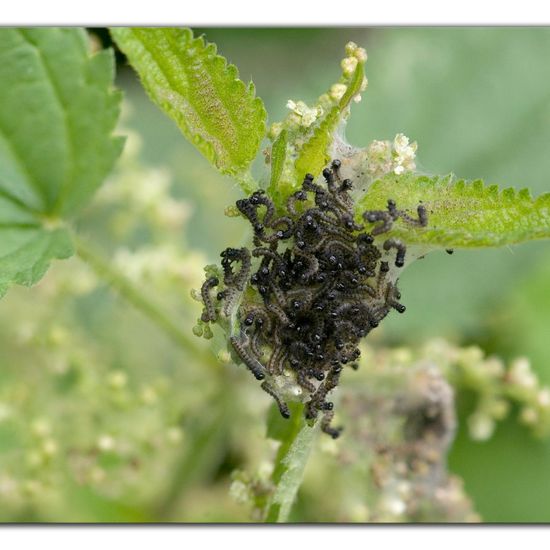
(319, 286)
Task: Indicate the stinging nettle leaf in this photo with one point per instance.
(278, 156)
(303, 141)
(314, 153)
(218, 113)
(57, 114)
(297, 439)
(461, 214)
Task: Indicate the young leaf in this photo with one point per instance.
(297, 439)
(461, 214)
(218, 113)
(314, 153)
(302, 142)
(278, 156)
(57, 112)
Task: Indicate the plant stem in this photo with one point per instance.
(297, 439)
(209, 432)
(141, 301)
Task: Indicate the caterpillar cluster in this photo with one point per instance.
(313, 285)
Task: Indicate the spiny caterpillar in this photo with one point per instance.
(313, 285)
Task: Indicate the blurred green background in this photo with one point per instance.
(104, 419)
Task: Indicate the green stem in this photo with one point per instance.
(209, 431)
(140, 301)
(297, 439)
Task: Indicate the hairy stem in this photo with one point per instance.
(297, 439)
(153, 311)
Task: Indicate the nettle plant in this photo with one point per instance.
(333, 226)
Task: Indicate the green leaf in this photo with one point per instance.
(461, 214)
(218, 113)
(297, 439)
(302, 142)
(278, 156)
(314, 154)
(25, 253)
(57, 112)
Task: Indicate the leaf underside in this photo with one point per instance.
(461, 214)
(218, 113)
(57, 114)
